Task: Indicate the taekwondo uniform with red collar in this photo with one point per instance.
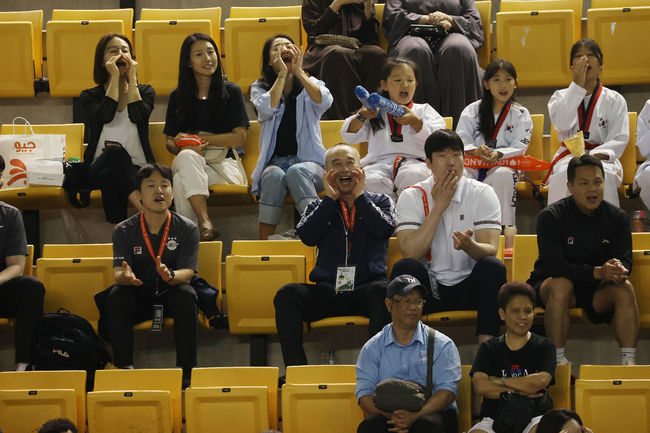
(642, 177)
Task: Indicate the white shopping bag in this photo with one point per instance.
(44, 172)
(18, 149)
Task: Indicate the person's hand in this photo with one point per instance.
(127, 273)
(367, 113)
(402, 420)
(278, 64)
(586, 429)
(441, 19)
(200, 149)
(163, 270)
(612, 270)
(111, 66)
(443, 190)
(462, 240)
(359, 176)
(492, 157)
(330, 184)
(483, 152)
(132, 66)
(409, 118)
(579, 70)
(296, 59)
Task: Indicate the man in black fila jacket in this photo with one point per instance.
(351, 228)
(585, 257)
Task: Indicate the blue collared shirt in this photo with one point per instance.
(382, 357)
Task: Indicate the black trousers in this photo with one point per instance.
(439, 422)
(22, 298)
(476, 292)
(298, 303)
(113, 174)
(128, 305)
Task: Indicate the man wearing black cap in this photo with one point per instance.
(399, 351)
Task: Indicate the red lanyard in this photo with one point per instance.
(585, 122)
(500, 120)
(163, 241)
(396, 128)
(348, 219)
(425, 203)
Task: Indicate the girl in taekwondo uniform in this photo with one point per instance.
(496, 127)
(600, 113)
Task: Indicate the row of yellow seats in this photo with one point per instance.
(244, 399)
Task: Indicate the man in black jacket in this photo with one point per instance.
(351, 228)
(585, 257)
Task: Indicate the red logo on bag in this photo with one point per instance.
(17, 173)
(24, 147)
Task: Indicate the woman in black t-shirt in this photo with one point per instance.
(203, 104)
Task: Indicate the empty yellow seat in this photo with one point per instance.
(604, 372)
(70, 53)
(560, 392)
(273, 12)
(147, 400)
(574, 6)
(211, 14)
(18, 69)
(29, 398)
(619, 31)
(526, 37)
(240, 399)
(158, 46)
(125, 15)
(614, 406)
(247, 35)
(69, 251)
(158, 141)
(36, 18)
(641, 241)
(313, 393)
(536, 149)
(485, 11)
(72, 283)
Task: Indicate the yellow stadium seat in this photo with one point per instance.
(394, 254)
(536, 149)
(29, 261)
(146, 400)
(331, 131)
(247, 35)
(158, 44)
(273, 12)
(212, 14)
(379, 14)
(18, 70)
(308, 405)
(36, 18)
(614, 406)
(71, 53)
(449, 122)
(45, 197)
(315, 374)
(560, 392)
(525, 254)
(618, 32)
(158, 143)
(641, 241)
(525, 37)
(72, 283)
(547, 5)
(77, 251)
(464, 399)
(639, 279)
(485, 11)
(275, 248)
(125, 15)
(228, 396)
(605, 372)
(29, 398)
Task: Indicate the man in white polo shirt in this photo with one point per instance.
(448, 230)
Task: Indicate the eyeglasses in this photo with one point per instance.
(405, 303)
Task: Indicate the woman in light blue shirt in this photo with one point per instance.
(291, 153)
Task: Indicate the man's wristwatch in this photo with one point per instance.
(173, 274)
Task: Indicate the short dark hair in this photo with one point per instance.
(443, 139)
(554, 420)
(148, 169)
(591, 46)
(582, 161)
(100, 74)
(2, 163)
(512, 289)
(58, 425)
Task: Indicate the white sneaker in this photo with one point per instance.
(288, 235)
(564, 361)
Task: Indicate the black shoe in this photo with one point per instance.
(281, 381)
(187, 377)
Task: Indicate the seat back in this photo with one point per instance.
(536, 146)
(17, 38)
(464, 399)
(485, 11)
(574, 6)
(125, 15)
(24, 412)
(314, 374)
(36, 18)
(560, 392)
(212, 14)
(158, 143)
(639, 278)
(61, 251)
(606, 372)
(524, 255)
(273, 12)
(274, 248)
(29, 261)
(641, 241)
(160, 389)
(618, 32)
(266, 377)
(601, 4)
(158, 44)
(210, 265)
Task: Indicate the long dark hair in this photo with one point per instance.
(554, 420)
(391, 63)
(187, 86)
(591, 46)
(100, 74)
(486, 107)
(268, 75)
